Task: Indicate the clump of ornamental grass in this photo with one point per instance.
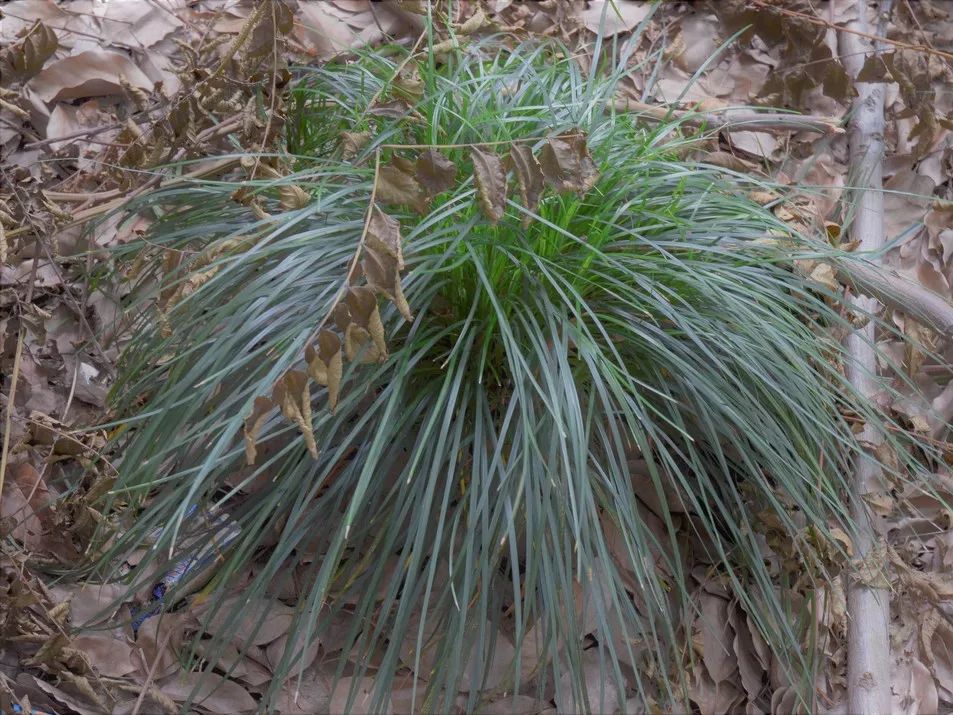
(514, 425)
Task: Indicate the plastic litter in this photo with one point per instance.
(192, 571)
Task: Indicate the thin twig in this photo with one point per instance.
(274, 90)
(11, 396)
(63, 434)
(151, 675)
(814, 20)
(21, 337)
(139, 117)
(357, 253)
(370, 206)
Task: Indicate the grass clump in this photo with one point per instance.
(592, 395)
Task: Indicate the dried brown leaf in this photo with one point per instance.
(260, 621)
(363, 698)
(291, 394)
(87, 74)
(749, 669)
(253, 424)
(353, 142)
(383, 235)
(727, 160)
(716, 638)
(567, 165)
(490, 179)
(326, 364)
(824, 274)
(409, 86)
(214, 692)
(394, 109)
(358, 346)
(609, 17)
(322, 32)
(874, 70)
(108, 654)
(881, 503)
(714, 698)
(26, 57)
(601, 694)
(293, 197)
(530, 177)
(363, 305)
(435, 172)
(382, 275)
(914, 687)
(277, 20)
(396, 185)
(341, 316)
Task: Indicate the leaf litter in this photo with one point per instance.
(54, 56)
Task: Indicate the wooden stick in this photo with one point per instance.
(868, 590)
(899, 293)
(734, 118)
(11, 397)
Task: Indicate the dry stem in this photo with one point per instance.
(734, 118)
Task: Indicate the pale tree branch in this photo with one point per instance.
(899, 293)
(868, 593)
(733, 118)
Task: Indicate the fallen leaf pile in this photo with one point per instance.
(97, 99)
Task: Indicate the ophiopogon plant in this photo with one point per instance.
(486, 370)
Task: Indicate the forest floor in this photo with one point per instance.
(91, 98)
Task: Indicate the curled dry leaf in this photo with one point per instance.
(326, 364)
(87, 74)
(358, 345)
(567, 165)
(261, 620)
(397, 185)
(363, 699)
(716, 638)
(293, 196)
(383, 235)
(253, 424)
(356, 323)
(353, 142)
(110, 655)
(362, 304)
(435, 172)
(382, 275)
(529, 174)
(291, 394)
(394, 109)
(409, 86)
(26, 56)
(490, 179)
(824, 274)
(214, 692)
(476, 22)
(613, 18)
